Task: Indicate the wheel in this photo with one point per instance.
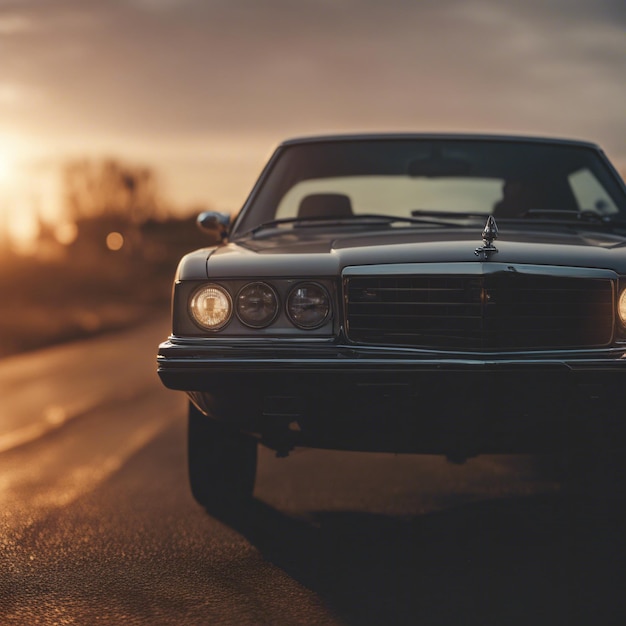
(221, 461)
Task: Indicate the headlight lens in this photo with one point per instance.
(210, 307)
(257, 305)
(308, 305)
(621, 307)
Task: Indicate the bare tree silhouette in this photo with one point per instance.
(109, 200)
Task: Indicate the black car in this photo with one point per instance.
(434, 294)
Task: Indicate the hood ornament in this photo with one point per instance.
(490, 233)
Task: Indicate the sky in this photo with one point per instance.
(203, 90)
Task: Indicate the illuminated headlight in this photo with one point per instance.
(210, 307)
(308, 305)
(621, 307)
(257, 305)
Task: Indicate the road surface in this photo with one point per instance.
(98, 525)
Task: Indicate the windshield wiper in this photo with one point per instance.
(448, 214)
(559, 216)
(365, 218)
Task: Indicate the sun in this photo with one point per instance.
(6, 165)
(12, 152)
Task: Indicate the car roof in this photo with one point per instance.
(436, 136)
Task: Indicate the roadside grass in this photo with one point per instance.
(45, 303)
(65, 294)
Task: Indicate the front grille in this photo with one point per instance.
(498, 311)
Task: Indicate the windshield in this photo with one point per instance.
(448, 178)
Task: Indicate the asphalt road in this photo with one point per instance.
(98, 525)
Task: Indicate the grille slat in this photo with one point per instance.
(500, 311)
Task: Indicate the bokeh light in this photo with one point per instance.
(115, 241)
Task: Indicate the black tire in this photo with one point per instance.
(221, 462)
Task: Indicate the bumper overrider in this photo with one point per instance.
(380, 399)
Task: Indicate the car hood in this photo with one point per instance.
(312, 252)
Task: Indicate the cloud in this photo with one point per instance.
(9, 94)
(13, 24)
(136, 68)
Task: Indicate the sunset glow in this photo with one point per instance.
(15, 153)
(17, 218)
(204, 114)
(6, 166)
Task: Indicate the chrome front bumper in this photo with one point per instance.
(398, 400)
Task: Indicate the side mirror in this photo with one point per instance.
(215, 225)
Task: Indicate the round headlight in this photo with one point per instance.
(257, 305)
(621, 307)
(308, 305)
(210, 307)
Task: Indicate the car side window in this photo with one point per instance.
(589, 193)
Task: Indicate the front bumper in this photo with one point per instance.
(346, 397)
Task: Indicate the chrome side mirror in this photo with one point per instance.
(215, 225)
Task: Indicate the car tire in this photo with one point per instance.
(221, 462)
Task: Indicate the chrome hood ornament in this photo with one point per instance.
(490, 234)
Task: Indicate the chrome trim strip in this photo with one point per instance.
(369, 352)
(230, 341)
(476, 269)
(360, 363)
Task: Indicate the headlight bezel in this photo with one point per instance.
(271, 290)
(195, 294)
(292, 317)
(184, 324)
(621, 307)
